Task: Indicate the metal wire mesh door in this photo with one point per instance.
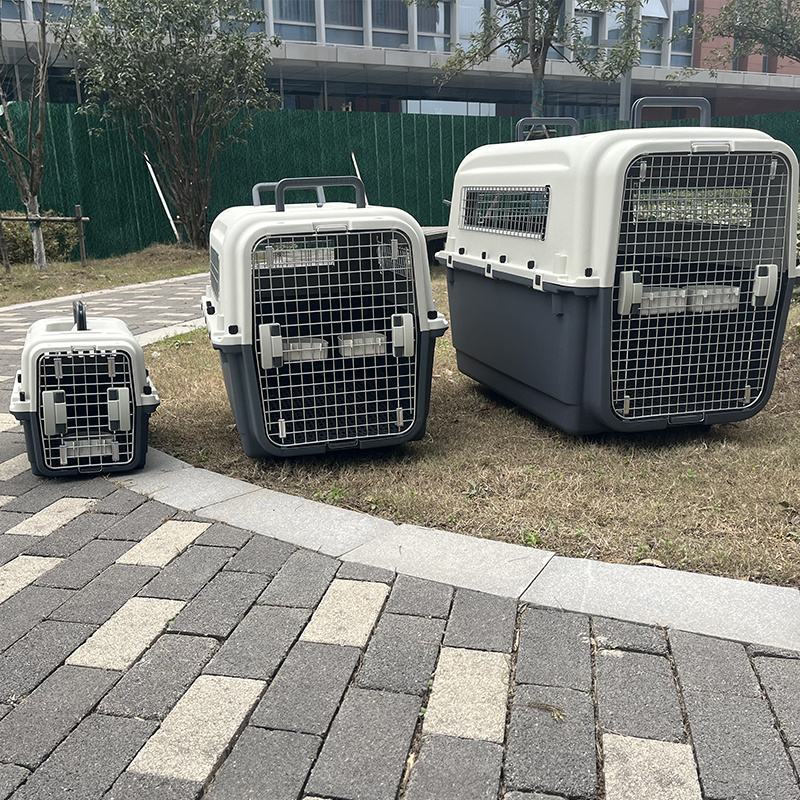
(700, 267)
(76, 390)
(326, 309)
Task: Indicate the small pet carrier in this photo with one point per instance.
(626, 280)
(324, 321)
(83, 396)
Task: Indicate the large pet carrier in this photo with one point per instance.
(625, 280)
(83, 396)
(324, 321)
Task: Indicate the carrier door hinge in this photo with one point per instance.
(630, 293)
(765, 285)
(402, 335)
(119, 409)
(54, 412)
(271, 345)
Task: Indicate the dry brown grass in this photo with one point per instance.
(724, 501)
(153, 263)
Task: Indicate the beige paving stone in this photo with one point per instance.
(7, 422)
(5, 498)
(347, 613)
(21, 571)
(125, 636)
(163, 544)
(470, 691)
(10, 347)
(195, 734)
(6, 378)
(645, 768)
(14, 466)
(50, 519)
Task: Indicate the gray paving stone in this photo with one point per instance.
(11, 777)
(221, 535)
(70, 538)
(140, 522)
(27, 608)
(739, 752)
(402, 654)
(47, 493)
(713, 665)
(365, 753)
(138, 786)
(154, 684)
(637, 696)
(481, 621)
(221, 605)
(260, 643)
(4, 710)
(614, 634)
(86, 564)
(268, 764)
(262, 555)
(555, 649)
(302, 580)
(122, 501)
(12, 546)
(305, 693)
(420, 597)
(780, 677)
(11, 446)
(529, 796)
(794, 753)
(104, 595)
(89, 760)
(186, 575)
(20, 484)
(9, 519)
(449, 768)
(772, 652)
(552, 755)
(31, 659)
(50, 712)
(354, 571)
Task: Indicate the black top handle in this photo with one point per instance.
(671, 102)
(520, 133)
(270, 187)
(310, 183)
(79, 314)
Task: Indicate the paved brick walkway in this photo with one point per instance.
(147, 651)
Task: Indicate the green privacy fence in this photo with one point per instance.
(406, 160)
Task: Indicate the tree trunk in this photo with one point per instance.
(39, 259)
(537, 96)
(4, 249)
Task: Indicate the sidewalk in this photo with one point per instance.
(174, 633)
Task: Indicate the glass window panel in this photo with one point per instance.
(651, 59)
(434, 20)
(296, 33)
(652, 31)
(614, 28)
(654, 8)
(682, 13)
(54, 11)
(389, 39)
(343, 36)
(590, 26)
(470, 13)
(10, 10)
(391, 14)
(437, 44)
(294, 10)
(679, 60)
(345, 12)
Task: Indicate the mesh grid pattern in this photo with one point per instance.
(519, 210)
(85, 378)
(695, 228)
(333, 297)
(214, 270)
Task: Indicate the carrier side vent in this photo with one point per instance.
(512, 210)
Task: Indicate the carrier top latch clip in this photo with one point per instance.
(54, 412)
(402, 335)
(119, 408)
(630, 293)
(271, 345)
(765, 285)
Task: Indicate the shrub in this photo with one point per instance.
(60, 238)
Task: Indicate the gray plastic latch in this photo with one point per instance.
(119, 409)
(271, 345)
(630, 292)
(54, 412)
(765, 285)
(402, 335)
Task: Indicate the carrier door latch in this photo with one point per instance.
(765, 285)
(630, 293)
(271, 345)
(119, 409)
(402, 335)
(54, 412)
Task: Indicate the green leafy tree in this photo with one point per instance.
(22, 129)
(525, 30)
(184, 77)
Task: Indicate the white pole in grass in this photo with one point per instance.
(161, 196)
(358, 174)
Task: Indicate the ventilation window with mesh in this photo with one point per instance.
(519, 211)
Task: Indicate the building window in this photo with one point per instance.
(295, 20)
(344, 21)
(389, 23)
(11, 9)
(470, 15)
(682, 15)
(652, 41)
(433, 26)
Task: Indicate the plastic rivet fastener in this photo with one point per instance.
(232, 329)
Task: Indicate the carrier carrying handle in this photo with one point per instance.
(671, 102)
(79, 314)
(270, 187)
(519, 135)
(306, 183)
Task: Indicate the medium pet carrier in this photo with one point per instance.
(83, 396)
(324, 321)
(626, 280)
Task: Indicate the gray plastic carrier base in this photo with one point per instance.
(244, 393)
(549, 352)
